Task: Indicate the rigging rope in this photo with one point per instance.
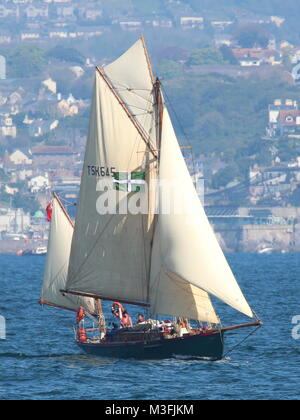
(241, 342)
(183, 132)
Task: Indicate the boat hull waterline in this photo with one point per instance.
(207, 346)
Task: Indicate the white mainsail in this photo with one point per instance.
(110, 255)
(185, 246)
(55, 274)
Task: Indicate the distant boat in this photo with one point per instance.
(38, 251)
(265, 251)
(166, 263)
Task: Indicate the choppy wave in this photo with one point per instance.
(39, 359)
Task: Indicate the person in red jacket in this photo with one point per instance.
(120, 312)
(126, 320)
(80, 315)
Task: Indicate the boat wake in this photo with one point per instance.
(191, 358)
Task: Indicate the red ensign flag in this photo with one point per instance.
(49, 212)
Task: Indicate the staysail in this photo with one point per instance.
(110, 255)
(55, 274)
(185, 247)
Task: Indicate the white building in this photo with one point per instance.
(39, 183)
(51, 85)
(192, 22)
(2, 67)
(20, 158)
(7, 128)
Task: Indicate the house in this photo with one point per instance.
(221, 25)
(33, 12)
(131, 25)
(10, 190)
(39, 183)
(58, 34)
(70, 106)
(162, 23)
(277, 20)
(288, 121)
(256, 56)
(66, 109)
(250, 62)
(284, 118)
(192, 22)
(20, 158)
(65, 12)
(30, 36)
(7, 128)
(50, 84)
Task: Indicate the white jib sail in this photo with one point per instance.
(55, 274)
(185, 245)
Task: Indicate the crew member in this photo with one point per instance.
(126, 320)
(120, 312)
(141, 319)
(80, 315)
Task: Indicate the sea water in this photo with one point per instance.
(39, 359)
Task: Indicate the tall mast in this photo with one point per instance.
(159, 110)
(153, 216)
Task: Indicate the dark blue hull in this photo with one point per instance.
(205, 346)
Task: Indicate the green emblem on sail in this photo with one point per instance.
(130, 181)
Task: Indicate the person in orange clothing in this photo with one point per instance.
(126, 320)
(120, 312)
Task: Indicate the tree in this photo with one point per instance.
(26, 61)
(169, 69)
(206, 56)
(228, 55)
(66, 54)
(249, 36)
(26, 202)
(224, 176)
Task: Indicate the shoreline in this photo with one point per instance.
(11, 247)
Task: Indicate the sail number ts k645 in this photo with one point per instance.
(100, 171)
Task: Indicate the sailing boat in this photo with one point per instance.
(159, 256)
